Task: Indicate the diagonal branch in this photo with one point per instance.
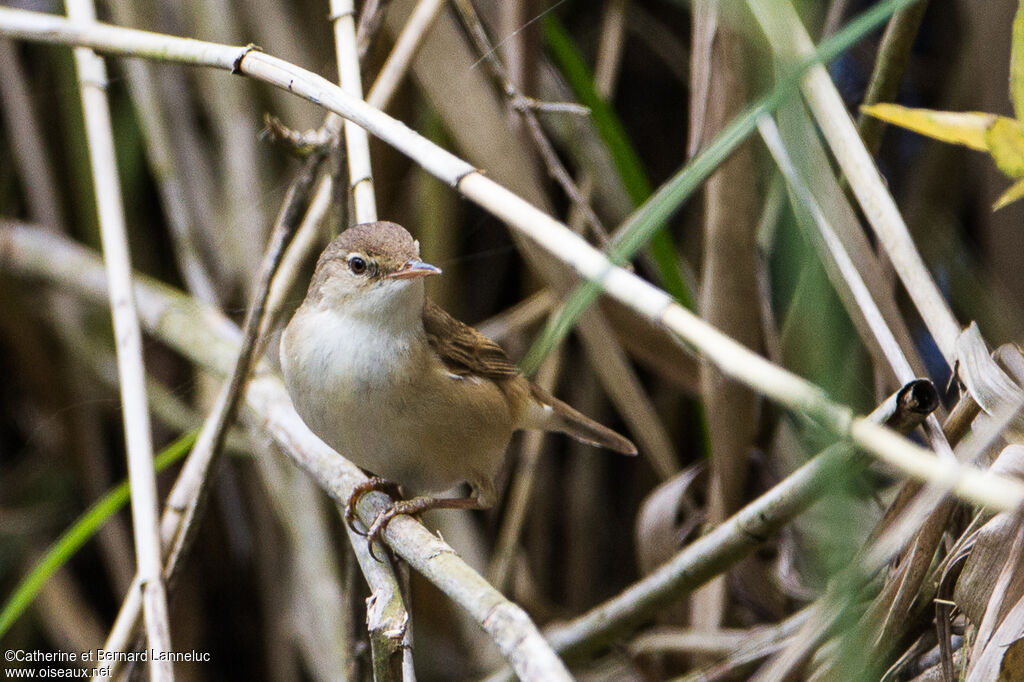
(738, 535)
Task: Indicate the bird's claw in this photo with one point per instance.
(380, 523)
(397, 508)
(374, 483)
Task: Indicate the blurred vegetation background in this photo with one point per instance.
(203, 181)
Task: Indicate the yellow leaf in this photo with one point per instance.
(1017, 63)
(1011, 195)
(1006, 145)
(965, 128)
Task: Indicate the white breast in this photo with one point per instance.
(383, 400)
(344, 376)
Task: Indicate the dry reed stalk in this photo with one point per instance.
(92, 77)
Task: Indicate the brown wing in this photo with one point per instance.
(463, 349)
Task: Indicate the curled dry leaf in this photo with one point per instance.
(991, 545)
(667, 517)
(990, 590)
(1003, 657)
(987, 382)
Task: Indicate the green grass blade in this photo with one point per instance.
(613, 134)
(642, 224)
(79, 533)
(609, 127)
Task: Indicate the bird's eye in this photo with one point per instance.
(357, 265)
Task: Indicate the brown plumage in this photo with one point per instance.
(465, 351)
(462, 349)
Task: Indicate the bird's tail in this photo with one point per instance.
(554, 415)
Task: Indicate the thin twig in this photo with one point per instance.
(210, 441)
(764, 641)
(402, 54)
(298, 252)
(662, 640)
(522, 105)
(552, 107)
(370, 20)
(890, 63)
(92, 77)
(387, 619)
(606, 73)
(191, 187)
(834, 17)
(33, 164)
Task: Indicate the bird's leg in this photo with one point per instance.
(374, 483)
(415, 506)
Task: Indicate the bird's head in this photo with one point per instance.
(372, 269)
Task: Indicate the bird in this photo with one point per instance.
(405, 391)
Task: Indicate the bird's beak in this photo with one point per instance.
(413, 269)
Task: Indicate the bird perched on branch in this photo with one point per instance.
(400, 387)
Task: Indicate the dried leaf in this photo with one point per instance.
(1012, 665)
(705, 22)
(998, 660)
(666, 518)
(990, 557)
(987, 382)
(974, 587)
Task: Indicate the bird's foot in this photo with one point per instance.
(413, 507)
(374, 483)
